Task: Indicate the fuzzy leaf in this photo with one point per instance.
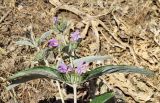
(34, 73)
(72, 78)
(62, 26)
(25, 42)
(41, 54)
(45, 35)
(115, 69)
(89, 59)
(103, 98)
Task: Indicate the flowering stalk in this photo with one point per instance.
(74, 37)
(64, 39)
(54, 43)
(71, 61)
(62, 67)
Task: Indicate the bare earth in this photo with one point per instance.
(128, 30)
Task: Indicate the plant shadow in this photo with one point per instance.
(52, 100)
(90, 88)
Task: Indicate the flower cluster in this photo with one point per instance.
(63, 68)
(75, 35)
(53, 43)
(81, 68)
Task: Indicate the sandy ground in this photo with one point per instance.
(128, 30)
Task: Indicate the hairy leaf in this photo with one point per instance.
(25, 42)
(115, 69)
(72, 78)
(62, 26)
(41, 54)
(45, 35)
(103, 98)
(34, 73)
(89, 59)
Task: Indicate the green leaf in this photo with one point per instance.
(41, 54)
(25, 42)
(55, 30)
(62, 25)
(34, 73)
(89, 59)
(72, 78)
(45, 35)
(42, 72)
(115, 69)
(103, 98)
(73, 46)
(65, 49)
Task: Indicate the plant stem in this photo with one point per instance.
(70, 58)
(64, 40)
(74, 85)
(75, 92)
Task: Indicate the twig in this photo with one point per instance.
(85, 30)
(60, 92)
(123, 45)
(13, 93)
(94, 26)
(60, 6)
(4, 16)
(105, 82)
(81, 14)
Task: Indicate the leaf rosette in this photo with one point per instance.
(71, 78)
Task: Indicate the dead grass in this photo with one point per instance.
(127, 30)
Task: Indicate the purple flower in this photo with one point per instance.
(55, 20)
(53, 43)
(75, 35)
(62, 68)
(81, 68)
(69, 69)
